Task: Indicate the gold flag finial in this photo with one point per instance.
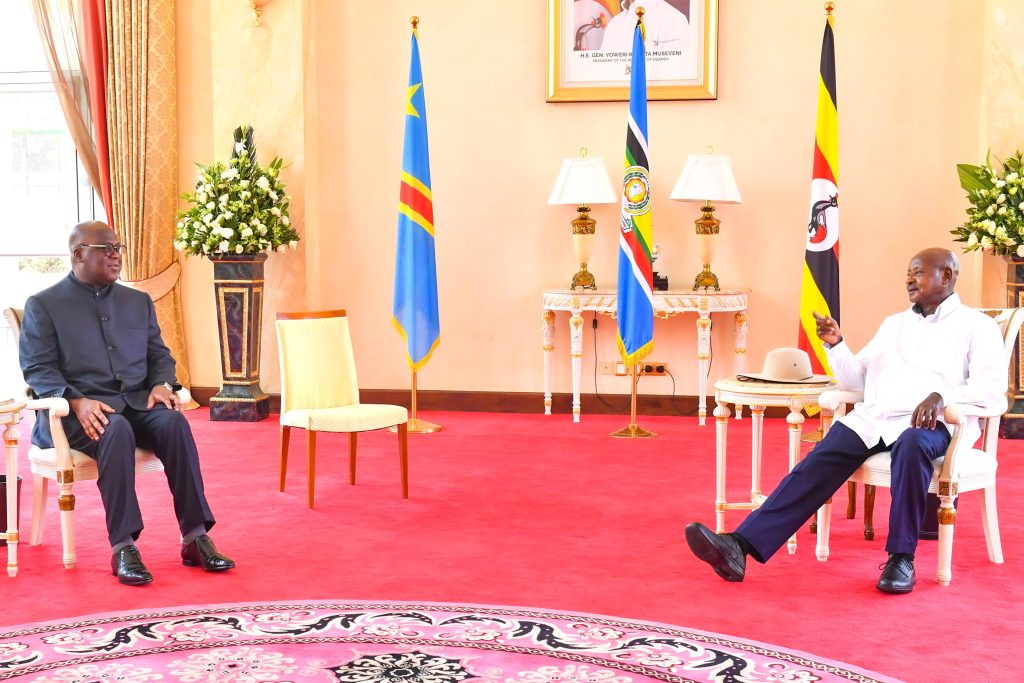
(829, 6)
(640, 13)
(257, 11)
(415, 21)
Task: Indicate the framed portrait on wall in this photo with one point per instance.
(590, 46)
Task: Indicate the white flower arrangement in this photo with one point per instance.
(238, 207)
(995, 218)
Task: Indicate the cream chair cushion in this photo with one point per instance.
(359, 417)
(977, 470)
(43, 461)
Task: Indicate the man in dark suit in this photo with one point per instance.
(97, 344)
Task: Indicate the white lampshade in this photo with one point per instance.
(707, 177)
(583, 181)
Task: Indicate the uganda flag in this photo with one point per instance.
(819, 292)
(415, 304)
(636, 273)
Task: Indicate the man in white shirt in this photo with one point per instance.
(936, 352)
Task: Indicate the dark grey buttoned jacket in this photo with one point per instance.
(104, 344)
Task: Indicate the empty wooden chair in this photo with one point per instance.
(320, 393)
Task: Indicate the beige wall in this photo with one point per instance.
(1002, 116)
(324, 83)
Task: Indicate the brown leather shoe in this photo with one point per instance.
(126, 565)
(722, 551)
(203, 553)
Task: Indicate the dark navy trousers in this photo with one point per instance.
(815, 478)
(166, 433)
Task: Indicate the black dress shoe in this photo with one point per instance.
(897, 574)
(203, 553)
(126, 565)
(722, 551)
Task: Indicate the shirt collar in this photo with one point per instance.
(942, 310)
(92, 290)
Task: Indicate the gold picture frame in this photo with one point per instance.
(589, 50)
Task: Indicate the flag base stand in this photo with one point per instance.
(633, 432)
(415, 425)
(418, 426)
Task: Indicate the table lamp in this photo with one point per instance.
(583, 181)
(707, 178)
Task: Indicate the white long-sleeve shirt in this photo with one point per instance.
(956, 352)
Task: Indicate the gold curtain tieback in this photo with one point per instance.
(160, 285)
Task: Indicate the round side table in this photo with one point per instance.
(759, 396)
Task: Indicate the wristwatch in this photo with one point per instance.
(168, 386)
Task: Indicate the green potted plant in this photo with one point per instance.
(238, 212)
(995, 221)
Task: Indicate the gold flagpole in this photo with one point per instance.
(633, 431)
(416, 425)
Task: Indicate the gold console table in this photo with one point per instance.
(666, 305)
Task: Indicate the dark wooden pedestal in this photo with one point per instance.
(1012, 425)
(238, 285)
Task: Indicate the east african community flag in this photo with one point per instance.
(636, 272)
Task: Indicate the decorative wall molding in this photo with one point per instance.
(517, 402)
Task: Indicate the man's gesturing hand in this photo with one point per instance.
(91, 416)
(926, 415)
(161, 394)
(828, 329)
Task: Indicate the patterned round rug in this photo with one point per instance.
(364, 642)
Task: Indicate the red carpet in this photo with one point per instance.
(540, 512)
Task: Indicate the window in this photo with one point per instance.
(43, 188)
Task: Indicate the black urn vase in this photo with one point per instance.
(238, 286)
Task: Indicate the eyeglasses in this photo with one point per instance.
(109, 248)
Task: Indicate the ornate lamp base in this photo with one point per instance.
(633, 432)
(583, 279)
(706, 279)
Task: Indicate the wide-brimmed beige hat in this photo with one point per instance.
(786, 366)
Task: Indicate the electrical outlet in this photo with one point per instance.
(653, 367)
(618, 368)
